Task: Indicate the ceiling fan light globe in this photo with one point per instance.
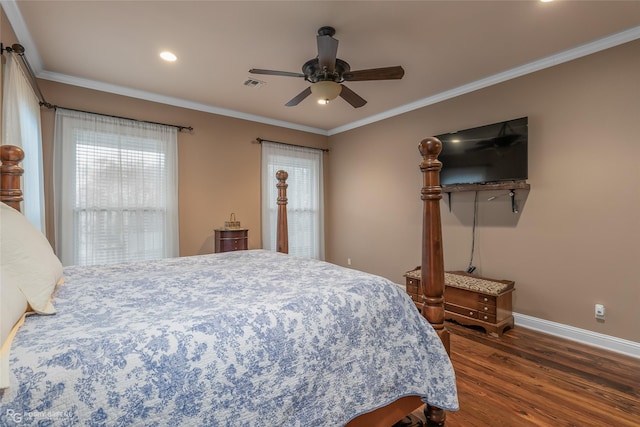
(326, 91)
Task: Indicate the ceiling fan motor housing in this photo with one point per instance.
(326, 31)
(314, 73)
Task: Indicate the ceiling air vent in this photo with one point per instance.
(253, 83)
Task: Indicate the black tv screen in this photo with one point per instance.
(485, 154)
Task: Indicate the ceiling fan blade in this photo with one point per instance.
(387, 73)
(352, 98)
(275, 73)
(327, 52)
(299, 97)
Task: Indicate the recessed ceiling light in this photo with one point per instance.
(168, 56)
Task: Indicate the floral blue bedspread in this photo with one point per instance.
(246, 338)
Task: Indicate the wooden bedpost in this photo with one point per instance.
(10, 173)
(282, 244)
(432, 267)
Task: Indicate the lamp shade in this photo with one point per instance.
(326, 91)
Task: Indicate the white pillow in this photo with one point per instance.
(28, 260)
(13, 305)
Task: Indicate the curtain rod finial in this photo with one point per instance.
(18, 48)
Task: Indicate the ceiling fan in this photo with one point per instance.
(326, 73)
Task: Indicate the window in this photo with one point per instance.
(116, 189)
(305, 208)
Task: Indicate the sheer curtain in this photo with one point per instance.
(21, 127)
(116, 189)
(305, 210)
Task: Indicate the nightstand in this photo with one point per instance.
(227, 240)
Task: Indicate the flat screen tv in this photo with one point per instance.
(485, 154)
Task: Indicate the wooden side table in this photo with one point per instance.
(227, 240)
(471, 300)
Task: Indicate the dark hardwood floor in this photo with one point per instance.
(527, 378)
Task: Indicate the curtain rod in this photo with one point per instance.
(260, 141)
(179, 127)
(18, 49)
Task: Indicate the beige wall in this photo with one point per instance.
(576, 239)
(218, 163)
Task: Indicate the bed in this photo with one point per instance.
(251, 338)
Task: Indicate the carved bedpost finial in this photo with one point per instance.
(430, 148)
(282, 239)
(10, 173)
(282, 176)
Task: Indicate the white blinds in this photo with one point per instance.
(21, 127)
(115, 189)
(305, 209)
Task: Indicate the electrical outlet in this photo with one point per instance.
(599, 311)
(348, 261)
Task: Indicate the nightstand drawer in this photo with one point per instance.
(461, 297)
(487, 309)
(233, 234)
(486, 299)
(412, 286)
(461, 310)
(490, 318)
(232, 245)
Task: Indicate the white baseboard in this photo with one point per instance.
(607, 342)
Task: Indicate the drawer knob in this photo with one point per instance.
(485, 317)
(471, 313)
(486, 299)
(486, 308)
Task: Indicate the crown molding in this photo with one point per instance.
(169, 100)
